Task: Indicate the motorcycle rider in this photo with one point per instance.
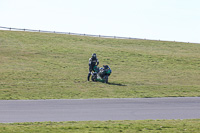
(92, 62)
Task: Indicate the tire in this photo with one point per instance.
(94, 77)
(105, 79)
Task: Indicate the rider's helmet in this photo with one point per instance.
(94, 56)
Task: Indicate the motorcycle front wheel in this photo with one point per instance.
(94, 78)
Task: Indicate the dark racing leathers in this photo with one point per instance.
(92, 62)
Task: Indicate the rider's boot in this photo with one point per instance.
(88, 78)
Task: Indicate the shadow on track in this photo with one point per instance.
(118, 84)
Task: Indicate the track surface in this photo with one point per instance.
(99, 109)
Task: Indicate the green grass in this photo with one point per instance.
(146, 126)
(54, 66)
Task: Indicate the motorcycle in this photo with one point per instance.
(101, 74)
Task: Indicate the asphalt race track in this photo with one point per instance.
(99, 109)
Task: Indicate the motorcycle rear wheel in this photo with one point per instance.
(105, 79)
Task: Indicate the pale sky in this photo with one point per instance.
(169, 20)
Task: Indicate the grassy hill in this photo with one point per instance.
(143, 126)
(55, 66)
